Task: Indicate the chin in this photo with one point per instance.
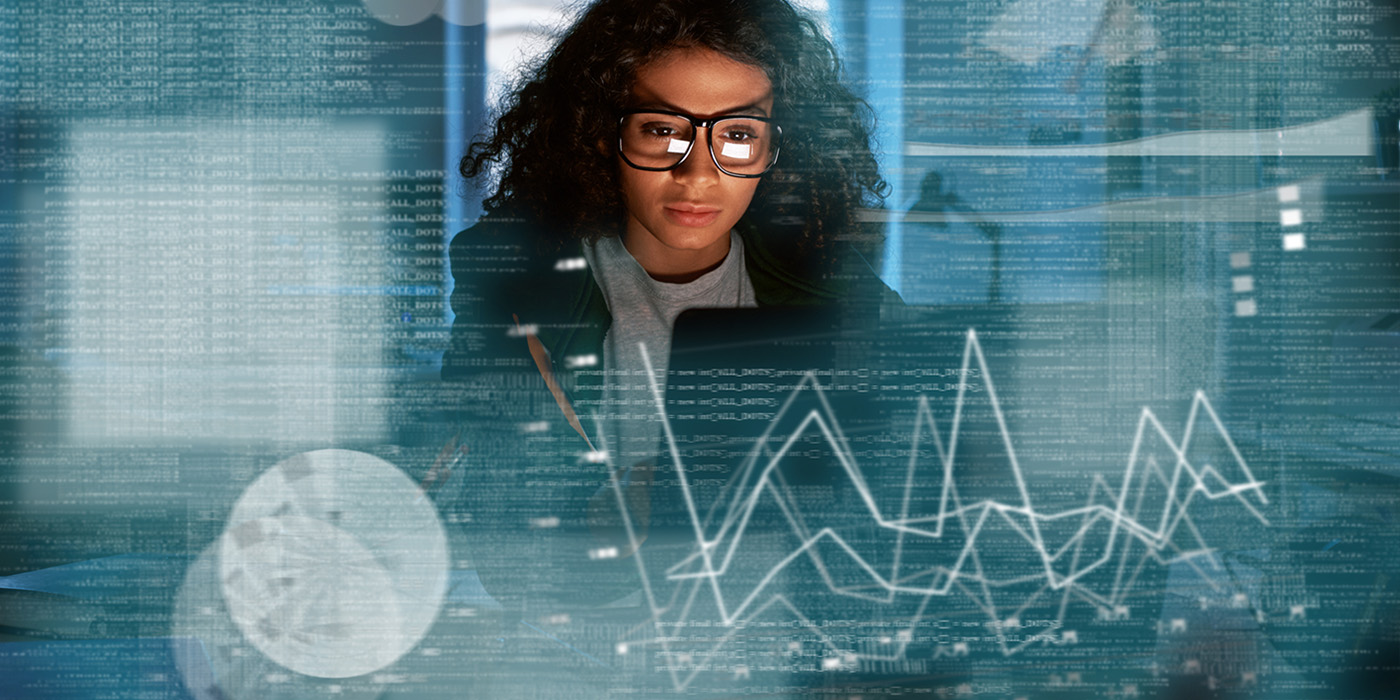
(694, 240)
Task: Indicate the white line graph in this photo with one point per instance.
(1059, 572)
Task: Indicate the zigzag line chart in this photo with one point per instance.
(1111, 535)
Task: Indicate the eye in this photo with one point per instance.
(659, 130)
(738, 135)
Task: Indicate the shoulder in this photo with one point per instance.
(503, 280)
(784, 275)
(495, 245)
(507, 278)
(511, 256)
(501, 260)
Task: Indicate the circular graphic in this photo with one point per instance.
(332, 565)
(217, 663)
(311, 597)
(401, 13)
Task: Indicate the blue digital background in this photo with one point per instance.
(224, 231)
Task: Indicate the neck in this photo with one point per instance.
(676, 266)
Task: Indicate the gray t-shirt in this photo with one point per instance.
(643, 314)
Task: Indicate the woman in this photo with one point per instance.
(664, 156)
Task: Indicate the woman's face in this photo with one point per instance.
(678, 220)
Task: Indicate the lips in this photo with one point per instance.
(691, 214)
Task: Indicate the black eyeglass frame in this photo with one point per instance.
(709, 139)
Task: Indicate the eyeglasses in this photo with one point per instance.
(657, 141)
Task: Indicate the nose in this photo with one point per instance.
(698, 169)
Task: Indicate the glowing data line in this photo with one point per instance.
(759, 476)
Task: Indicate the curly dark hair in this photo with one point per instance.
(544, 142)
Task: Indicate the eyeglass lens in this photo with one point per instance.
(740, 146)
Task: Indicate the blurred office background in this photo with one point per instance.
(224, 229)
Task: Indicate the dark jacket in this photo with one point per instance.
(508, 279)
(527, 497)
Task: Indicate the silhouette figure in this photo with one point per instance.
(933, 199)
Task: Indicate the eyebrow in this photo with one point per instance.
(753, 108)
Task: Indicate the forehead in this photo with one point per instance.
(703, 83)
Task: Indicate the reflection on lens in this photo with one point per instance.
(741, 146)
(656, 140)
